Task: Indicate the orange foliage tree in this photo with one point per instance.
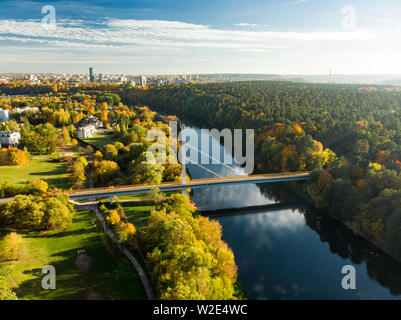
(13, 157)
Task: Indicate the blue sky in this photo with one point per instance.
(208, 36)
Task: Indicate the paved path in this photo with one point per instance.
(142, 275)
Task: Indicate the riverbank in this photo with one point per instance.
(373, 225)
(276, 248)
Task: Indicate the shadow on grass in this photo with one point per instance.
(61, 234)
(110, 275)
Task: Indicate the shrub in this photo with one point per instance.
(78, 176)
(57, 215)
(113, 219)
(37, 187)
(36, 213)
(7, 294)
(155, 196)
(13, 157)
(13, 247)
(103, 209)
(34, 187)
(122, 236)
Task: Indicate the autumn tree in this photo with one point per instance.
(13, 247)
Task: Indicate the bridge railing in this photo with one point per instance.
(194, 181)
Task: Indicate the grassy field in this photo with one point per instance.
(110, 276)
(99, 140)
(138, 215)
(132, 197)
(51, 172)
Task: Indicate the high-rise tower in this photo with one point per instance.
(91, 75)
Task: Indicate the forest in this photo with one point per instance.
(348, 135)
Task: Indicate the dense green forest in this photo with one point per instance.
(349, 135)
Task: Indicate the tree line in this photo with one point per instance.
(349, 135)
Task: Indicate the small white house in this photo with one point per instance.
(9, 138)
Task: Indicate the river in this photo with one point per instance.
(293, 253)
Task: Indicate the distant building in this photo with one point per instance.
(4, 115)
(91, 120)
(9, 138)
(87, 127)
(85, 132)
(100, 77)
(25, 109)
(91, 75)
(143, 81)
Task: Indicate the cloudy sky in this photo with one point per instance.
(202, 36)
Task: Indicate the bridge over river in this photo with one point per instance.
(193, 184)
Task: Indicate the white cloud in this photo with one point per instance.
(251, 25)
(159, 33)
(293, 3)
(170, 42)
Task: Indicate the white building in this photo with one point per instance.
(85, 132)
(4, 115)
(9, 138)
(89, 120)
(25, 109)
(143, 81)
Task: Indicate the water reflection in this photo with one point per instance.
(294, 253)
(380, 266)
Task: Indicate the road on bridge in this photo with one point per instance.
(193, 184)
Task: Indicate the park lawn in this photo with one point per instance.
(132, 197)
(111, 276)
(142, 196)
(54, 173)
(100, 140)
(137, 214)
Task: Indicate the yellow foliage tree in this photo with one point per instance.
(129, 229)
(13, 247)
(113, 218)
(13, 157)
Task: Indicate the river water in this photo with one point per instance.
(294, 253)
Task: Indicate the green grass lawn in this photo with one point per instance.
(137, 214)
(99, 140)
(52, 172)
(111, 276)
(132, 197)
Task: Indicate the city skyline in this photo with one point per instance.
(302, 37)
